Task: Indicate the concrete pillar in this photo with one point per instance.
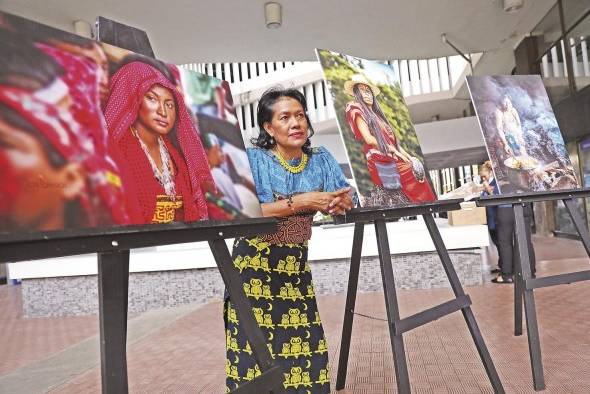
(525, 56)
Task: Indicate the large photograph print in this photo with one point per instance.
(375, 124)
(521, 134)
(93, 135)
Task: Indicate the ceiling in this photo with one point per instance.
(184, 31)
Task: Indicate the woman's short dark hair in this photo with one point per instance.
(265, 114)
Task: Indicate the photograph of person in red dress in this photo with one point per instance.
(156, 146)
(380, 140)
(93, 135)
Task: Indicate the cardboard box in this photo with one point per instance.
(467, 216)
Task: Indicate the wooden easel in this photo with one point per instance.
(524, 283)
(399, 326)
(113, 246)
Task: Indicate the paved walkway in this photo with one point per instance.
(181, 350)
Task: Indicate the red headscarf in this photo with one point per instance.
(127, 89)
(82, 78)
(10, 186)
(101, 201)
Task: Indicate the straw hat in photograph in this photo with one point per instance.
(356, 79)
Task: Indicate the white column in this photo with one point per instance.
(575, 65)
(247, 123)
(311, 109)
(563, 52)
(434, 76)
(239, 112)
(210, 69)
(405, 78)
(227, 71)
(585, 64)
(235, 67)
(321, 111)
(545, 66)
(443, 70)
(244, 68)
(252, 70)
(254, 130)
(555, 62)
(425, 86)
(414, 77)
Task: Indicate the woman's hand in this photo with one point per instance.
(341, 204)
(323, 201)
(396, 153)
(333, 203)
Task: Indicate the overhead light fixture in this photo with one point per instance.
(512, 5)
(273, 15)
(83, 28)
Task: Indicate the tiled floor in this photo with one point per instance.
(187, 356)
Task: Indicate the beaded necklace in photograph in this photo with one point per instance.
(292, 169)
(163, 177)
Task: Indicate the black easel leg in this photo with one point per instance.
(272, 376)
(397, 341)
(468, 315)
(353, 277)
(578, 223)
(529, 300)
(113, 291)
(518, 294)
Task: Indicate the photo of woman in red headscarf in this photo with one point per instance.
(157, 147)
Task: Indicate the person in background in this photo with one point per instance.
(501, 225)
(216, 158)
(293, 182)
(490, 188)
(509, 128)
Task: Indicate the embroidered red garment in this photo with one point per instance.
(127, 88)
(145, 188)
(416, 191)
(102, 199)
(10, 185)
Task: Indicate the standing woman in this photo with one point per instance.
(293, 182)
(490, 188)
(157, 147)
(399, 178)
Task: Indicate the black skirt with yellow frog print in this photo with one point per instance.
(277, 281)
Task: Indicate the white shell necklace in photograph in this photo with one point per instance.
(164, 177)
